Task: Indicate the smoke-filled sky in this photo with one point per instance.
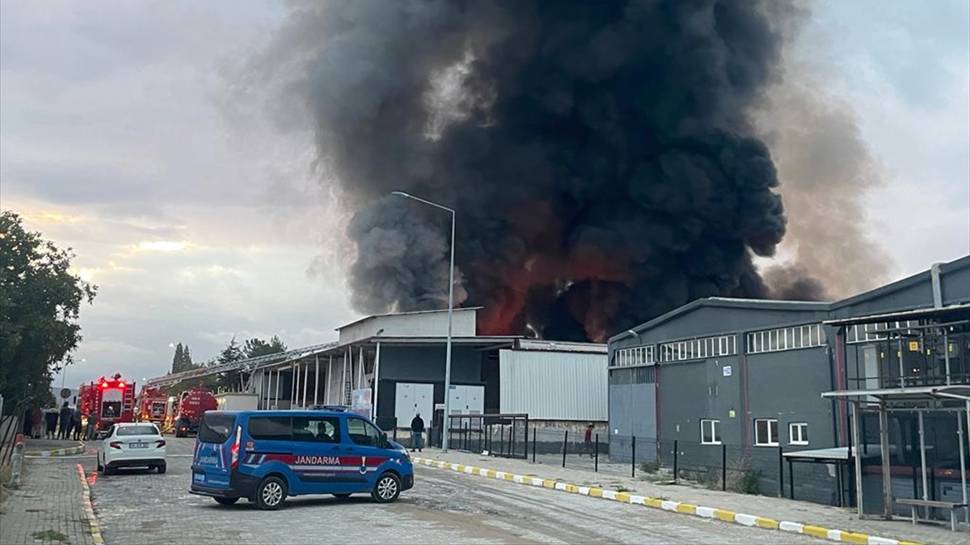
(146, 137)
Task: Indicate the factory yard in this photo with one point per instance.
(141, 507)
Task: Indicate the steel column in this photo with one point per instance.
(377, 371)
(856, 441)
(963, 467)
(887, 478)
(306, 376)
(922, 457)
(316, 378)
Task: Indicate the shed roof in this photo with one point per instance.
(386, 314)
(726, 302)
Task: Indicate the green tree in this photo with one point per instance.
(40, 302)
(258, 347)
(177, 359)
(182, 360)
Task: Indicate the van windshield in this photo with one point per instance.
(215, 427)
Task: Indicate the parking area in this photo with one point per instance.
(143, 507)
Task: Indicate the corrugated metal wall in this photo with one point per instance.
(553, 385)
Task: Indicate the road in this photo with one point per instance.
(140, 507)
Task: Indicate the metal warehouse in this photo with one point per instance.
(392, 366)
(808, 396)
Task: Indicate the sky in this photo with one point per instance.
(125, 134)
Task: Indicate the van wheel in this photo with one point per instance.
(387, 488)
(226, 501)
(270, 493)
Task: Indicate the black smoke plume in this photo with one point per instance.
(600, 155)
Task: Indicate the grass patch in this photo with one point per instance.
(50, 535)
(749, 483)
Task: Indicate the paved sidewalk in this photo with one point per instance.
(47, 508)
(771, 507)
(57, 447)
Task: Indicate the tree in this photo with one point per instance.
(258, 347)
(230, 353)
(40, 302)
(182, 360)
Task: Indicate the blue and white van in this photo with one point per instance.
(265, 456)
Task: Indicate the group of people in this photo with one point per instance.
(66, 423)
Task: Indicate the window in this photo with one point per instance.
(641, 355)
(316, 429)
(706, 347)
(364, 433)
(785, 338)
(766, 432)
(215, 427)
(141, 429)
(710, 432)
(798, 433)
(270, 427)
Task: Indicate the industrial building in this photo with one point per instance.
(775, 380)
(392, 366)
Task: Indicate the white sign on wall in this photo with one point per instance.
(727, 371)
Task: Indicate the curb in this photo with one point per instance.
(672, 506)
(95, 528)
(70, 451)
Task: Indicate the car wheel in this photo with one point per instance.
(270, 493)
(100, 467)
(107, 470)
(387, 488)
(342, 496)
(226, 501)
(161, 468)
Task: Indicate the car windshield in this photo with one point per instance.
(215, 427)
(147, 429)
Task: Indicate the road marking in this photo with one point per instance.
(744, 519)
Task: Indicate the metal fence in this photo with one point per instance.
(739, 468)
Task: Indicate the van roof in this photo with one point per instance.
(286, 412)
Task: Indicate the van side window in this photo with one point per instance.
(316, 429)
(363, 433)
(270, 427)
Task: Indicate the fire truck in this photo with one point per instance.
(152, 405)
(112, 399)
(191, 405)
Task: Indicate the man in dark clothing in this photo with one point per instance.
(417, 428)
(50, 418)
(28, 423)
(588, 440)
(67, 418)
(76, 423)
(92, 431)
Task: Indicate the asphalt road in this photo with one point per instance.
(141, 507)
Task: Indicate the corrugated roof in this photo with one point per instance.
(365, 318)
(560, 346)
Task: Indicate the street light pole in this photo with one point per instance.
(451, 296)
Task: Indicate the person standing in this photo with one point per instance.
(417, 428)
(92, 430)
(37, 421)
(27, 428)
(76, 423)
(50, 418)
(588, 440)
(66, 418)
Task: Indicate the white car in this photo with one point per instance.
(132, 444)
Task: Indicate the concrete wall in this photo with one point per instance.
(553, 385)
(418, 324)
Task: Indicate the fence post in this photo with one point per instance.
(512, 439)
(675, 461)
(565, 441)
(781, 474)
(395, 433)
(633, 456)
(723, 467)
(596, 454)
(533, 445)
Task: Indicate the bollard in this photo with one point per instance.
(17, 460)
(565, 439)
(675, 461)
(533, 445)
(512, 440)
(633, 457)
(596, 454)
(723, 467)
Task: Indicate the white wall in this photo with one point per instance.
(421, 324)
(553, 385)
